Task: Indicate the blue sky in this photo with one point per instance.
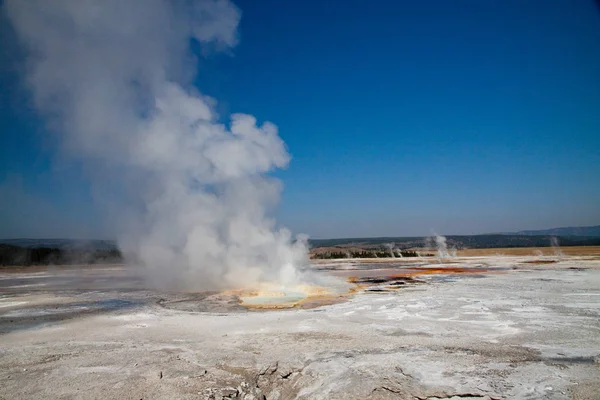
(402, 117)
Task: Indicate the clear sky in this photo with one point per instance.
(402, 118)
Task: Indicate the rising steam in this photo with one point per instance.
(442, 248)
(112, 78)
(391, 248)
(555, 246)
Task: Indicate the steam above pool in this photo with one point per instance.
(186, 192)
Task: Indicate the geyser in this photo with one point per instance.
(442, 248)
(188, 193)
(556, 246)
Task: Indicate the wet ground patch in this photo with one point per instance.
(37, 316)
(391, 279)
(214, 302)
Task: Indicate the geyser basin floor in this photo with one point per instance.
(528, 332)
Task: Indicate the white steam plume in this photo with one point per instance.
(391, 248)
(112, 79)
(442, 248)
(556, 246)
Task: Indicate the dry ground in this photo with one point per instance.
(533, 251)
(513, 328)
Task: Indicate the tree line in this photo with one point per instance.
(327, 255)
(24, 256)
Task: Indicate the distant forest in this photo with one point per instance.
(23, 252)
(23, 256)
(381, 253)
(460, 241)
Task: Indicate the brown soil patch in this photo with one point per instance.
(445, 270)
(532, 251)
(540, 262)
(393, 273)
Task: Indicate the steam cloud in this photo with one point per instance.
(391, 248)
(556, 246)
(442, 248)
(112, 78)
